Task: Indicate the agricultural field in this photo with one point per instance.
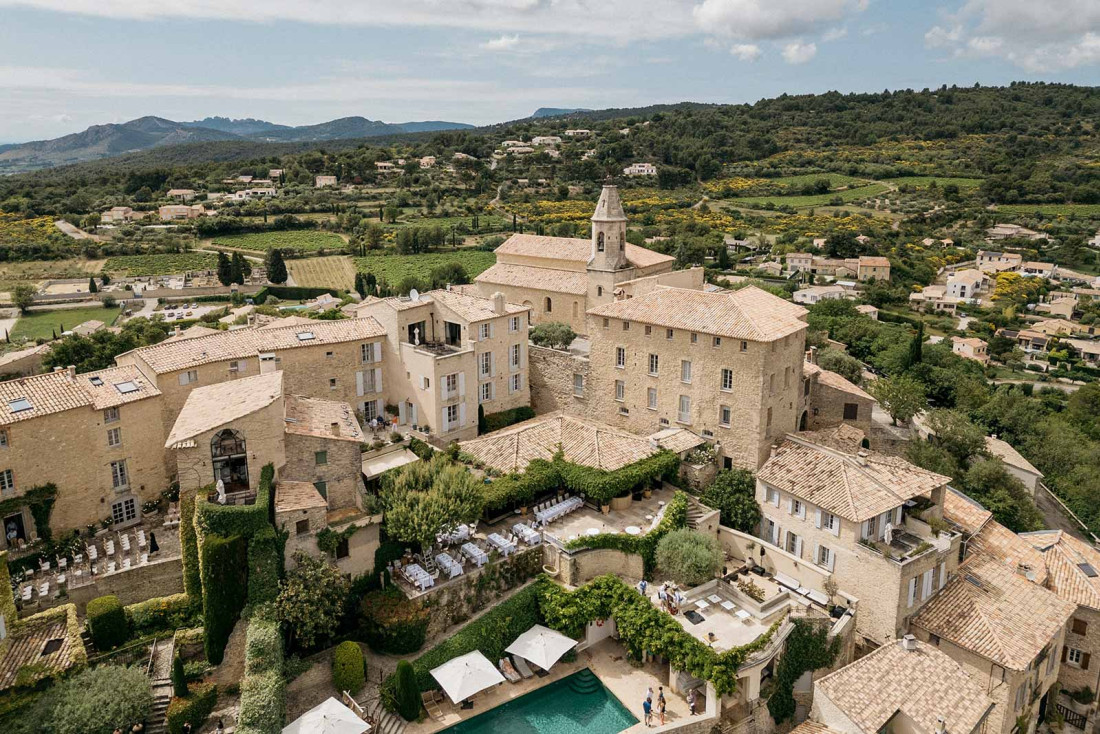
(32, 272)
(333, 271)
(1051, 210)
(779, 186)
(805, 202)
(411, 217)
(164, 264)
(44, 324)
(923, 182)
(303, 240)
(392, 268)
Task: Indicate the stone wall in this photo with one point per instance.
(826, 408)
(579, 567)
(551, 376)
(156, 578)
(342, 471)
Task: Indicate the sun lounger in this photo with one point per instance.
(508, 671)
(787, 581)
(431, 704)
(521, 666)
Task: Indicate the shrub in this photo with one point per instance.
(192, 581)
(553, 334)
(194, 707)
(263, 647)
(107, 622)
(733, 493)
(406, 691)
(179, 677)
(505, 418)
(98, 700)
(162, 614)
(263, 702)
(392, 623)
(263, 566)
(675, 517)
(224, 584)
(311, 600)
(349, 669)
(688, 557)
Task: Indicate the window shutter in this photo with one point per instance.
(943, 574)
(1085, 660)
(462, 385)
(802, 511)
(359, 384)
(461, 415)
(380, 409)
(183, 378)
(378, 379)
(897, 514)
(423, 382)
(912, 591)
(817, 517)
(865, 529)
(492, 330)
(492, 365)
(790, 505)
(817, 553)
(832, 559)
(798, 546)
(835, 529)
(776, 500)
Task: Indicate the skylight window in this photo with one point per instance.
(19, 405)
(305, 336)
(1088, 570)
(97, 381)
(126, 387)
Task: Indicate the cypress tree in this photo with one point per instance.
(92, 287)
(179, 681)
(225, 269)
(236, 269)
(276, 267)
(482, 424)
(916, 347)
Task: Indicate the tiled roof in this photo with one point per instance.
(996, 613)
(838, 382)
(842, 437)
(290, 496)
(855, 487)
(220, 346)
(677, 440)
(583, 441)
(749, 313)
(922, 684)
(993, 539)
(812, 727)
(28, 638)
(1066, 560)
(55, 392)
(313, 417)
(574, 249)
(572, 282)
(874, 261)
(11, 357)
(473, 308)
(1004, 451)
(215, 405)
(964, 512)
(289, 321)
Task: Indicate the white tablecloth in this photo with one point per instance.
(418, 576)
(530, 536)
(505, 547)
(448, 564)
(474, 553)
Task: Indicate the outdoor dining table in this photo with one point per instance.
(475, 554)
(418, 576)
(505, 547)
(529, 535)
(448, 564)
(459, 534)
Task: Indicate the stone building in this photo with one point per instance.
(830, 400)
(96, 436)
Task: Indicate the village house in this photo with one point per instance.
(181, 194)
(1012, 231)
(817, 293)
(871, 267)
(541, 140)
(992, 261)
(580, 133)
(1036, 269)
(868, 310)
(933, 299)
(1061, 306)
(640, 169)
(319, 182)
(118, 214)
(966, 283)
(172, 212)
(427, 161)
(862, 268)
(970, 348)
(828, 400)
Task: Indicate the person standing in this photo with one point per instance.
(661, 705)
(691, 701)
(647, 709)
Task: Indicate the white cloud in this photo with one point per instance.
(772, 19)
(746, 51)
(835, 34)
(1036, 35)
(502, 43)
(797, 52)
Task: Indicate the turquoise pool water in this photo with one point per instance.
(577, 704)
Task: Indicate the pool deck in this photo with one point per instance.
(607, 660)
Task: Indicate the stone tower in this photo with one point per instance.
(608, 264)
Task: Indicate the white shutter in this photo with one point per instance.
(242, 365)
(817, 552)
(776, 533)
(943, 574)
(492, 330)
(926, 585)
(832, 559)
(380, 409)
(378, 379)
(897, 514)
(775, 501)
(492, 364)
(817, 517)
(790, 505)
(461, 384)
(401, 417)
(183, 378)
(835, 529)
(798, 546)
(912, 591)
(423, 382)
(461, 415)
(802, 511)
(359, 384)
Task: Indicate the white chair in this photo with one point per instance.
(125, 541)
(141, 538)
(60, 578)
(109, 547)
(125, 563)
(78, 559)
(110, 566)
(45, 565)
(95, 569)
(44, 589)
(144, 558)
(93, 554)
(62, 563)
(28, 591)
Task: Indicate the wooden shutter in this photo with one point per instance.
(359, 383)
(1085, 660)
(817, 517)
(462, 385)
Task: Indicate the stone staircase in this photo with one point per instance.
(162, 694)
(695, 513)
(385, 722)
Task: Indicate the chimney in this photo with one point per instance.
(941, 725)
(335, 428)
(812, 358)
(72, 371)
(498, 303)
(861, 458)
(909, 642)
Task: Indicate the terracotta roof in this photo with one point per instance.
(23, 354)
(574, 249)
(842, 437)
(677, 440)
(314, 417)
(473, 308)
(996, 613)
(289, 321)
(583, 441)
(171, 356)
(54, 392)
(290, 496)
(215, 405)
(572, 282)
(964, 512)
(1066, 560)
(993, 539)
(812, 727)
(853, 486)
(749, 313)
(28, 638)
(922, 684)
(838, 382)
(874, 261)
(1004, 451)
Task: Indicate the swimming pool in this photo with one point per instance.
(576, 704)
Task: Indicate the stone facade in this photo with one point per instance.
(334, 464)
(829, 405)
(265, 443)
(1080, 655)
(555, 379)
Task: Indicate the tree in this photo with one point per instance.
(482, 424)
(452, 273)
(179, 680)
(808, 648)
(23, 297)
(988, 482)
(916, 347)
(733, 493)
(349, 669)
(371, 284)
(688, 557)
(225, 269)
(237, 268)
(92, 287)
(360, 285)
(902, 396)
(276, 267)
(845, 365)
(957, 434)
(311, 600)
(407, 691)
(428, 498)
(723, 259)
(553, 334)
(101, 699)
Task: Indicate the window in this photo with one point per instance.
(806, 388)
(186, 378)
(124, 510)
(623, 410)
(654, 362)
(7, 483)
(798, 509)
(606, 323)
(651, 398)
(771, 383)
(450, 417)
(119, 476)
(235, 366)
(1080, 627)
(483, 331)
(694, 338)
(620, 390)
(322, 488)
(330, 355)
(578, 385)
(685, 371)
(648, 330)
(685, 409)
(626, 326)
(3, 439)
(824, 557)
(332, 383)
(114, 437)
(485, 392)
(513, 324)
(513, 356)
(768, 426)
(771, 496)
(725, 414)
(516, 383)
(369, 352)
(342, 549)
(301, 527)
(787, 377)
(793, 544)
(110, 415)
(599, 290)
(1021, 696)
(320, 458)
(727, 379)
(1077, 658)
(450, 385)
(851, 411)
(620, 357)
(549, 305)
(599, 242)
(668, 333)
(744, 346)
(926, 584)
(19, 405)
(717, 341)
(370, 410)
(830, 522)
(485, 364)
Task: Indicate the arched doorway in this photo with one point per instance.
(802, 421)
(230, 459)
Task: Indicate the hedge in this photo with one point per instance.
(541, 476)
(224, 584)
(107, 624)
(263, 647)
(406, 697)
(675, 518)
(293, 293)
(349, 668)
(505, 418)
(392, 623)
(263, 566)
(200, 701)
(7, 596)
(192, 579)
(162, 614)
(263, 689)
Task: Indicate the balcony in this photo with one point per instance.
(911, 540)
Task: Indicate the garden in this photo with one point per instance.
(51, 324)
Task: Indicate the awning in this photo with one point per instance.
(542, 646)
(330, 717)
(375, 465)
(464, 676)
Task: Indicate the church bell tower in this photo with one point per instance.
(607, 264)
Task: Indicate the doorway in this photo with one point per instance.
(15, 532)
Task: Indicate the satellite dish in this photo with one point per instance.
(414, 295)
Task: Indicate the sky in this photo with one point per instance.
(68, 64)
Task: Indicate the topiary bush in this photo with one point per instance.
(225, 588)
(349, 668)
(392, 623)
(406, 691)
(189, 549)
(162, 614)
(689, 557)
(107, 623)
(179, 677)
(505, 418)
(194, 707)
(263, 566)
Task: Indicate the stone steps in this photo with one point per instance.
(385, 722)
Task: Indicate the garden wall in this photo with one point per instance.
(580, 566)
(157, 578)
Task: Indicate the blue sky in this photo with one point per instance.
(68, 64)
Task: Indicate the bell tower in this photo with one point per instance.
(607, 264)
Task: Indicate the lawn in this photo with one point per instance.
(805, 202)
(306, 240)
(164, 264)
(1051, 210)
(333, 271)
(923, 182)
(392, 268)
(44, 324)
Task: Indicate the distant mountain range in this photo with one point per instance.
(558, 111)
(103, 141)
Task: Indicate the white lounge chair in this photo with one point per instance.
(509, 671)
(521, 666)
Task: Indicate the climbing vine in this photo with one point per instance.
(808, 648)
(40, 500)
(329, 540)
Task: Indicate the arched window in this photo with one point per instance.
(227, 443)
(549, 305)
(576, 309)
(230, 460)
(599, 242)
(599, 290)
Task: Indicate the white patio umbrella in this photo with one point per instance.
(542, 646)
(330, 717)
(464, 676)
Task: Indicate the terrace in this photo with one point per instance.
(637, 516)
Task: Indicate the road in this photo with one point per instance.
(1054, 517)
(1063, 386)
(75, 232)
